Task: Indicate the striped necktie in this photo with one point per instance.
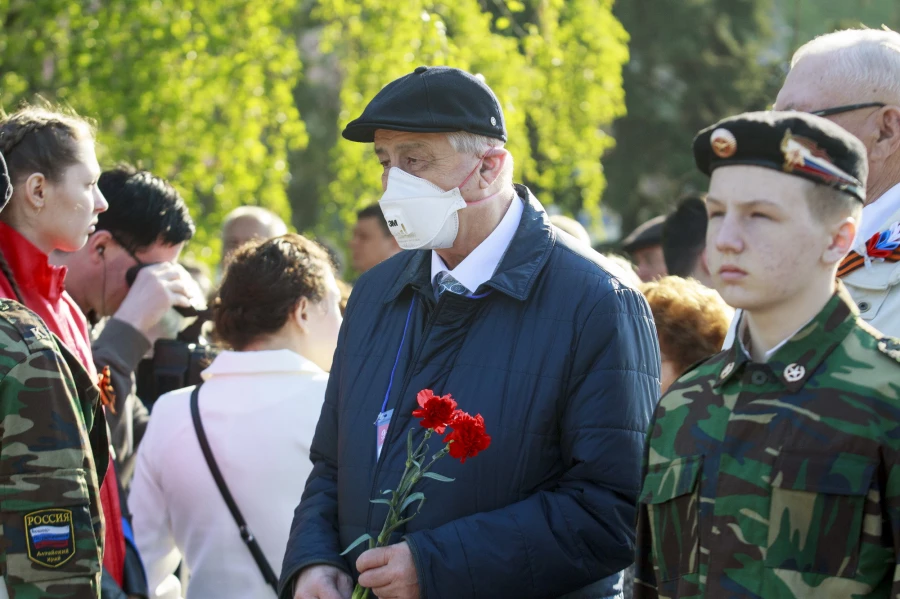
(444, 281)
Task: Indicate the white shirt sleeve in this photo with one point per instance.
(150, 520)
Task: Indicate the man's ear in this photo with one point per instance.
(888, 142)
(97, 246)
(492, 165)
(842, 237)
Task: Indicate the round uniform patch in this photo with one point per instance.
(51, 537)
(723, 142)
(794, 372)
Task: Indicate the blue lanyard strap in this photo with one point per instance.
(412, 306)
(387, 393)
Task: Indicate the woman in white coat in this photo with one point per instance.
(278, 308)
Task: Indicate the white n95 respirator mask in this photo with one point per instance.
(419, 214)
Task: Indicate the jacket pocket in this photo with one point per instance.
(816, 514)
(870, 302)
(47, 527)
(672, 498)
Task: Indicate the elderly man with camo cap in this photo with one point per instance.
(520, 324)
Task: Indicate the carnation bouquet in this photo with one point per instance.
(465, 437)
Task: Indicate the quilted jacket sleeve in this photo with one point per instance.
(581, 531)
(314, 531)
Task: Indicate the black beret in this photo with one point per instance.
(796, 143)
(646, 235)
(431, 100)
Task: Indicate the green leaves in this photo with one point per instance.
(199, 92)
(555, 65)
(693, 63)
(418, 496)
(359, 541)
(206, 94)
(438, 477)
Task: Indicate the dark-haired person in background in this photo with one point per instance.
(643, 244)
(372, 242)
(278, 309)
(684, 240)
(147, 223)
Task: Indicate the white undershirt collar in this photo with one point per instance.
(480, 265)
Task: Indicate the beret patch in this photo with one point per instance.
(795, 143)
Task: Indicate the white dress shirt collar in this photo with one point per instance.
(479, 266)
(745, 334)
(878, 216)
(259, 362)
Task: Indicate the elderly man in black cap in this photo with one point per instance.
(644, 244)
(520, 324)
(773, 468)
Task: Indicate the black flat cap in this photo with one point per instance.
(431, 100)
(645, 236)
(795, 143)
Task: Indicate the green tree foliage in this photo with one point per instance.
(207, 93)
(805, 19)
(198, 92)
(554, 64)
(692, 63)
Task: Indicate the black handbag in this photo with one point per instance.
(258, 556)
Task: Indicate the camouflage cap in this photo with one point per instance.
(795, 143)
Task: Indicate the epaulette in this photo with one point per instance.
(20, 324)
(890, 346)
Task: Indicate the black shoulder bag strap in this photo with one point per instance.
(246, 535)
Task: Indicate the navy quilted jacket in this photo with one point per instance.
(561, 359)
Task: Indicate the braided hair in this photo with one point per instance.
(37, 139)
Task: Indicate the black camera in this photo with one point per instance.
(174, 365)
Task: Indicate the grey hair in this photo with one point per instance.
(860, 58)
(470, 143)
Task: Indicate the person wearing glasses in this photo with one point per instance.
(852, 78)
(772, 468)
(147, 223)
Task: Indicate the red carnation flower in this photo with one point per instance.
(468, 436)
(435, 411)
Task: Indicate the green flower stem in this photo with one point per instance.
(360, 592)
(412, 474)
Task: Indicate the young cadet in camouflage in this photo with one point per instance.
(50, 466)
(772, 470)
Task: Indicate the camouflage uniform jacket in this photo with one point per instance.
(50, 465)
(782, 479)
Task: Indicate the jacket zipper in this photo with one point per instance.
(393, 428)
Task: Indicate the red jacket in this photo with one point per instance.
(41, 286)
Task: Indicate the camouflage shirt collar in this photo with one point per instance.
(798, 359)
